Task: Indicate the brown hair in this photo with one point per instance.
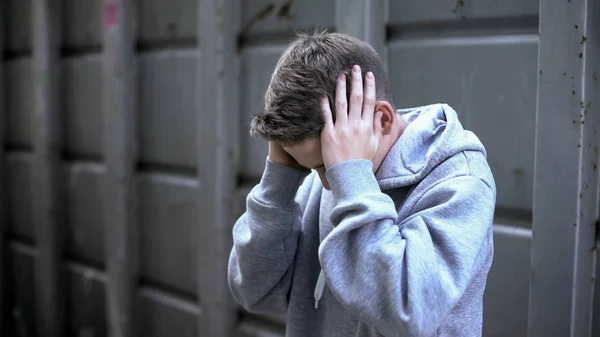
(306, 72)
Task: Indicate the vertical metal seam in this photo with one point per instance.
(120, 146)
(47, 183)
(217, 43)
(4, 274)
(562, 271)
(576, 266)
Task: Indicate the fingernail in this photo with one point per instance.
(370, 75)
(356, 68)
(342, 77)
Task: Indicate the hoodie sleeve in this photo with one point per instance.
(265, 240)
(403, 280)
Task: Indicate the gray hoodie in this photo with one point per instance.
(404, 252)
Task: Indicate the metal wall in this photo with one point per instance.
(127, 158)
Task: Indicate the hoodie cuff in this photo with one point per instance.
(351, 178)
(279, 183)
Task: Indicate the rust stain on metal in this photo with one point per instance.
(262, 14)
(110, 15)
(265, 11)
(171, 28)
(458, 5)
(286, 10)
(587, 107)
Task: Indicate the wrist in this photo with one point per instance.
(350, 178)
(279, 183)
(287, 163)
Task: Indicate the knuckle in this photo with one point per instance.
(341, 105)
(370, 99)
(356, 98)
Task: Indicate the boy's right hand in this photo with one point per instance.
(278, 155)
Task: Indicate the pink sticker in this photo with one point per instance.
(110, 17)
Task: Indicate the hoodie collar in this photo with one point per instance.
(434, 133)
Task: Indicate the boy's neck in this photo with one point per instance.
(389, 140)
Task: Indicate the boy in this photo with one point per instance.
(392, 233)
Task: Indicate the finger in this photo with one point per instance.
(341, 105)
(377, 127)
(326, 111)
(368, 108)
(356, 94)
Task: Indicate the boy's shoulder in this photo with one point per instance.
(464, 163)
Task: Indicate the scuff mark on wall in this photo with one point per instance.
(286, 11)
(458, 5)
(259, 16)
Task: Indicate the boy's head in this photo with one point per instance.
(306, 72)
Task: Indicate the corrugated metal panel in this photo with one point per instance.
(86, 306)
(20, 204)
(85, 226)
(19, 26)
(273, 18)
(167, 110)
(257, 329)
(83, 107)
(81, 24)
(506, 298)
(492, 84)
(257, 66)
(169, 228)
(19, 105)
(162, 314)
(481, 58)
(22, 300)
(195, 100)
(408, 11)
(166, 21)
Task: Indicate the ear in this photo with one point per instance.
(388, 117)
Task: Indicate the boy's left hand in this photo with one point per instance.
(357, 129)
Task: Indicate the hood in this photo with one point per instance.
(433, 134)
